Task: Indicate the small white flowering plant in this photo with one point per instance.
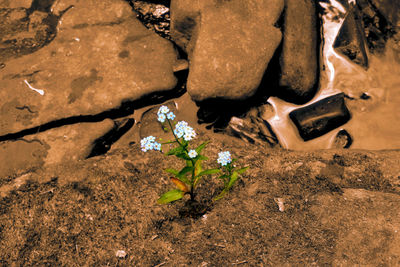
(187, 179)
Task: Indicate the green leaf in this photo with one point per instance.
(242, 170)
(182, 174)
(183, 155)
(201, 147)
(172, 171)
(202, 157)
(186, 170)
(210, 171)
(189, 163)
(170, 196)
(221, 195)
(232, 180)
(197, 168)
(168, 142)
(175, 151)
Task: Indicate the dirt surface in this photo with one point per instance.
(291, 208)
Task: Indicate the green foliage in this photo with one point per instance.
(229, 177)
(188, 178)
(171, 196)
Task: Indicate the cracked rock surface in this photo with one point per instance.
(101, 57)
(68, 68)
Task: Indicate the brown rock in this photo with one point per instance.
(350, 40)
(101, 57)
(229, 44)
(185, 18)
(19, 156)
(64, 144)
(389, 8)
(299, 58)
(15, 3)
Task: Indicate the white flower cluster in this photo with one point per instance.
(224, 158)
(164, 113)
(182, 129)
(149, 143)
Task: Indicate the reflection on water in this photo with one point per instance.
(374, 123)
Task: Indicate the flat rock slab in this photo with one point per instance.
(231, 44)
(101, 57)
(367, 223)
(64, 144)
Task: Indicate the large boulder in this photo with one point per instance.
(185, 19)
(229, 44)
(100, 58)
(299, 58)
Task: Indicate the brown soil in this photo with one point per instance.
(81, 214)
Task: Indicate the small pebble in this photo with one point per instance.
(120, 254)
(281, 203)
(365, 96)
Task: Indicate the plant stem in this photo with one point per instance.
(172, 130)
(169, 142)
(192, 186)
(193, 163)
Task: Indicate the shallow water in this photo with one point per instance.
(373, 96)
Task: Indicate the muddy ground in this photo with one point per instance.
(319, 208)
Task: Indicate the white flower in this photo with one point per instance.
(171, 116)
(157, 146)
(163, 110)
(161, 117)
(192, 153)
